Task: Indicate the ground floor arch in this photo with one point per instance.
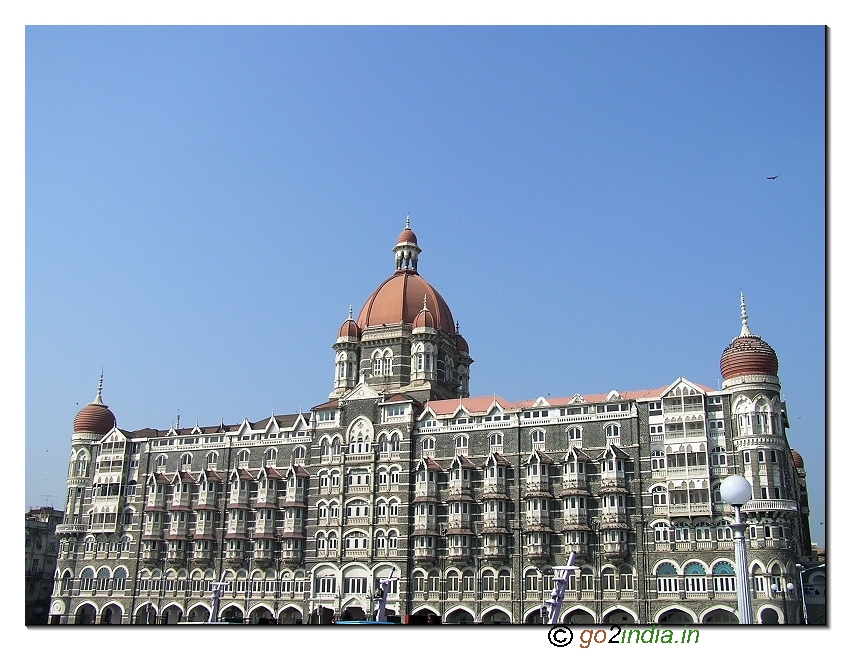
(459, 615)
(198, 613)
(534, 616)
(675, 616)
(112, 613)
(290, 615)
(171, 614)
(619, 615)
(146, 613)
(720, 615)
(85, 614)
(496, 615)
(321, 615)
(578, 615)
(261, 615)
(232, 613)
(769, 615)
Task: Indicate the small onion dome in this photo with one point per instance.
(460, 341)
(407, 235)
(797, 459)
(349, 328)
(425, 317)
(748, 354)
(95, 417)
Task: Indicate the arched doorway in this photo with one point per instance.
(459, 616)
(578, 616)
(720, 616)
(290, 615)
(619, 616)
(232, 614)
(496, 616)
(262, 615)
(353, 613)
(534, 616)
(85, 615)
(198, 613)
(146, 614)
(321, 615)
(769, 616)
(676, 616)
(110, 615)
(171, 615)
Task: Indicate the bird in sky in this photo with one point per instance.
(772, 177)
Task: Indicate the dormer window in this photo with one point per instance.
(395, 411)
(326, 415)
(654, 407)
(430, 423)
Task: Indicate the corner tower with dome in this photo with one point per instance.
(470, 501)
(405, 338)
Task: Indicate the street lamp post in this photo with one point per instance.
(736, 490)
(776, 588)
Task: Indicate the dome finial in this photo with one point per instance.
(98, 399)
(425, 302)
(406, 250)
(745, 328)
(407, 225)
(350, 312)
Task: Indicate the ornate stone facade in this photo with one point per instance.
(468, 501)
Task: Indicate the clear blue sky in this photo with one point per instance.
(204, 204)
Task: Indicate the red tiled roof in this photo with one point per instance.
(302, 472)
(473, 405)
(400, 298)
(187, 477)
(244, 474)
(273, 473)
(328, 405)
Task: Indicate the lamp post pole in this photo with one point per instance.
(778, 589)
(736, 491)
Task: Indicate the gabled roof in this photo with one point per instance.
(499, 459)
(540, 456)
(429, 463)
(328, 405)
(187, 477)
(618, 453)
(472, 405)
(462, 461)
(578, 453)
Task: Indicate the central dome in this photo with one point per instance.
(400, 299)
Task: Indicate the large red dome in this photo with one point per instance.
(748, 355)
(400, 299)
(94, 418)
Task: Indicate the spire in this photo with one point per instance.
(745, 328)
(98, 400)
(407, 225)
(350, 312)
(425, 302)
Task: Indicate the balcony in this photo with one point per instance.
(234, 556)
(615, 550)
(574, 482)
(71, 528)
(424, 555)
(459, 554)
(292, 556)
(176, 556)
(263, 557)
(495, 552)
(538, 552)
(581, 549)
(202, 557)
(613, 480)
(573, 517)
(537, 518)
(684, 509)
(770, 505)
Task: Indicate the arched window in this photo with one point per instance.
(662, 532)
(428, 444)
(160, 463)
(383, 445)
(724, 531)
(392, 539)
(395, 442)
(658, 463)
(66, 582)
(504, 581)
(186, 462)
(332, 541)
(212, 460)
(496, 439)
(702, 531)
(377, 364)
(667, 578)
(723, 575)
(612, 430)
(574, 434)
(271, 456)
(87, 579)
(320, 541)
(695, 578)
(488, 580)
(609, 579)
(242, 458)
(683, 532)
(126, 543)
(299, 453)
(388, 363)
(462, 442)
(627, 581)
(538, 436)
(718, 456)
(659, 495)
(120, 579)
